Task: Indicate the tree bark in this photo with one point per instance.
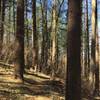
(2, 18)
(94, 48)
(14, 17)
(35, 38)
(26, 28)
(53, 39)
(74, 51)
(45, 37)
(19, 41)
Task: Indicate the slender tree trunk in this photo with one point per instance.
(83, 42)
(97, 66)
(2, 18)
(1, 36)
(14, 17)
(43, 40)
(74, 51)
(9, 33)
(44, 53)
(19, 41)
(26, 16)
(87, 57)
(53, 38)
(94, 48)
(45, 36)
(87, 30)
(97, 81)
(35, 38)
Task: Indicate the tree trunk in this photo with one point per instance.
(19, 41)
(53, 39)
(26, 28)
(97, 66)
(44, 48)
(87, 30)
(35, 38)
(73, 51)
(9, 33)
(87, 57)
(2, 18)
(14, 17)
(94, 48)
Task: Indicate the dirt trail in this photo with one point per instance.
(34, 87)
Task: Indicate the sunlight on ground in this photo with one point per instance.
(35, 87)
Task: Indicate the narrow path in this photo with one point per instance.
(34, 87)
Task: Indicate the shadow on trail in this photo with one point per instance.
(29, 87)
(47, 86)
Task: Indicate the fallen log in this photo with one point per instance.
(6, 64)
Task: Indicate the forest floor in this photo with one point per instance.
(35, 87)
